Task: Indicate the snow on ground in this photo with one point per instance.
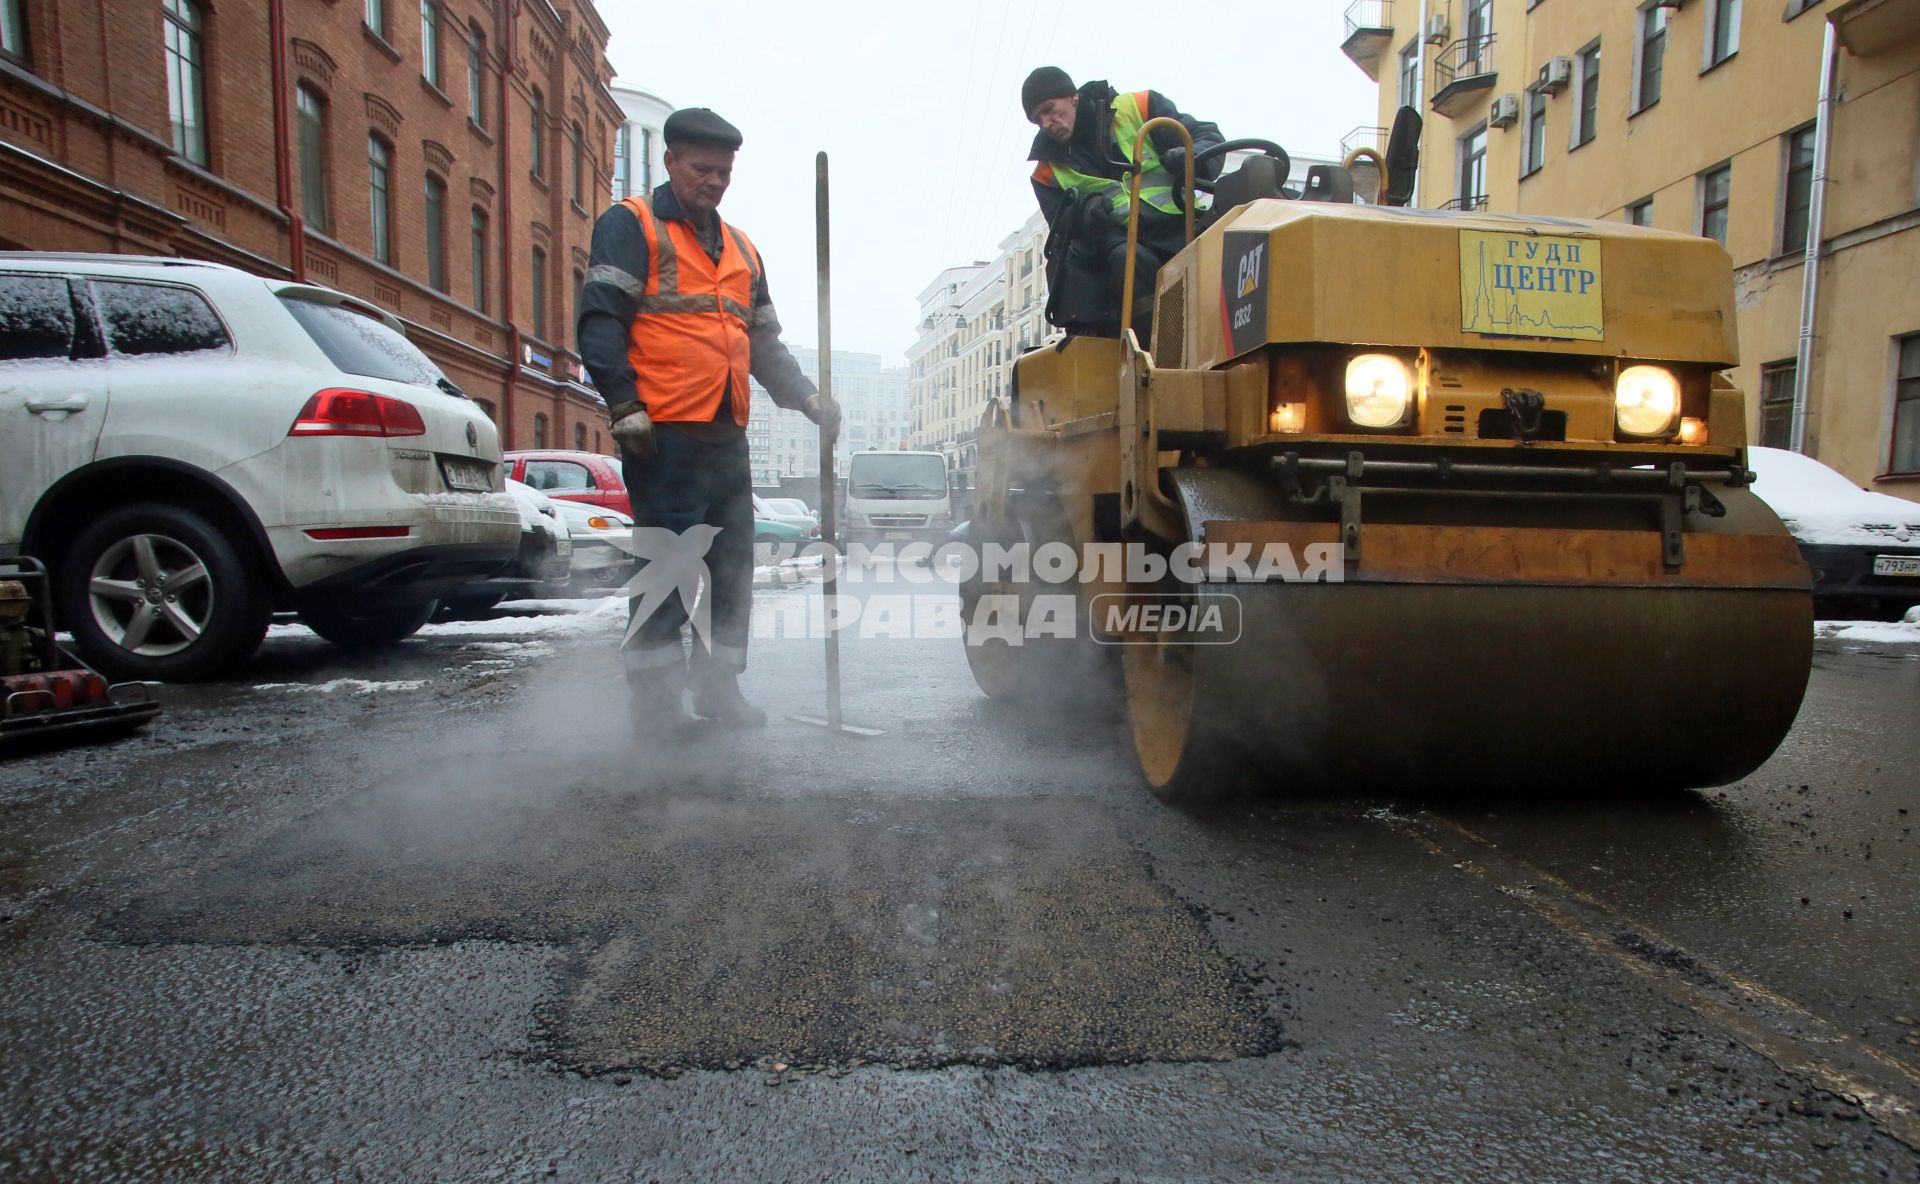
(540, 618)
(526, 618)
(1902, 632)
(358, 686)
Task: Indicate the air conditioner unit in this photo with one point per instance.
(1555, 75)
(1506, 111)
(1437, 29)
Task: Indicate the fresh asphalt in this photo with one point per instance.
(438, 916)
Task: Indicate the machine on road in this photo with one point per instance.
(1410, 499)
(46, 697)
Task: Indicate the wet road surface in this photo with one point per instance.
(436, 916)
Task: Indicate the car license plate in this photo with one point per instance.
(1896, 565)
(898, 536)
(474, 476)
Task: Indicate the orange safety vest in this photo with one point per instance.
(689, 336)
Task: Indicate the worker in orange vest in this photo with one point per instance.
(673, 319)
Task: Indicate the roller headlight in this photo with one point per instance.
(1646, 401)
(1379, 387)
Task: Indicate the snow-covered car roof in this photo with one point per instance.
(1822, 507)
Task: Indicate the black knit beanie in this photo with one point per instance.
(1047, 82)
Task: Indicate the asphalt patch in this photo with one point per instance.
(728, 934)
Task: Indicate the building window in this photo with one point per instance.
(1409, 94)
(477, 75)
(377, 17)
(1716, 191)
(1473, 169)
(579, 291)
(539, 269)
(646, 158)
(479, 259)
(579, 167)
(1652, 50)
(1722, 38)
(1715, 194)
(379, 206)
(13, 30)
(429, 42)
(1796, 195)
(1640, 213)
(1586, 118)
(1776, 404)
(1906, 408)
(436, 233)
(1796, 7)
(535, 147)
(580, 437)
(1535, 150)
(311, 111)
(186, 98)
(539, 431)
(1479, 24)
(622, 146)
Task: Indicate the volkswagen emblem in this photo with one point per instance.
(473, 436)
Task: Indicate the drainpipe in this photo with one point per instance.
(1425, 82)
(508, 60)
(282, 149)
(1816, 216)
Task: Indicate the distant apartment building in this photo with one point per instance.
(638, 149)
(975, 319)
(443, 159)
(873, 406)
(1705, 117)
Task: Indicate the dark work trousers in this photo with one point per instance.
(687, 483)
(1103, 263)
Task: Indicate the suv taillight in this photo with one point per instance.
(338, 411)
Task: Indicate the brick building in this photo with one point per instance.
(444, 159)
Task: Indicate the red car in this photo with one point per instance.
(576, 476)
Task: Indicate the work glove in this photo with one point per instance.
(823, 410)
(633, 432)
(1097, 212)
(1174, 160)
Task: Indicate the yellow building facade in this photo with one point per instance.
(1705, 117)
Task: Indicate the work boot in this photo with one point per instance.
(718, 697)
(659, 711)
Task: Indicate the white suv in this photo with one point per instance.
(188, 447)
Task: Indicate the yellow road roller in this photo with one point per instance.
(1399, 500)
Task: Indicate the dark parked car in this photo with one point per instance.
(1864, 547)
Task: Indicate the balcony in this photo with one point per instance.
(1462, 73)
(1369, 30)
(1467, 205)
(1872, 27)
(1364, 137)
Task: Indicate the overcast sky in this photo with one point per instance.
(919, 113)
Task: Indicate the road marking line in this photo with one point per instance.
(1786, 1033)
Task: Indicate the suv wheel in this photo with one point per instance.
(359, 628)
(155, 591)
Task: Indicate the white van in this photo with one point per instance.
(897, 497)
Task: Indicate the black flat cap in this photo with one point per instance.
(1047, 82)
(697, 125)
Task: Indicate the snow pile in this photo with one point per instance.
(1821, 506)
(1905, 631)
(558, 618)
(358, 686)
